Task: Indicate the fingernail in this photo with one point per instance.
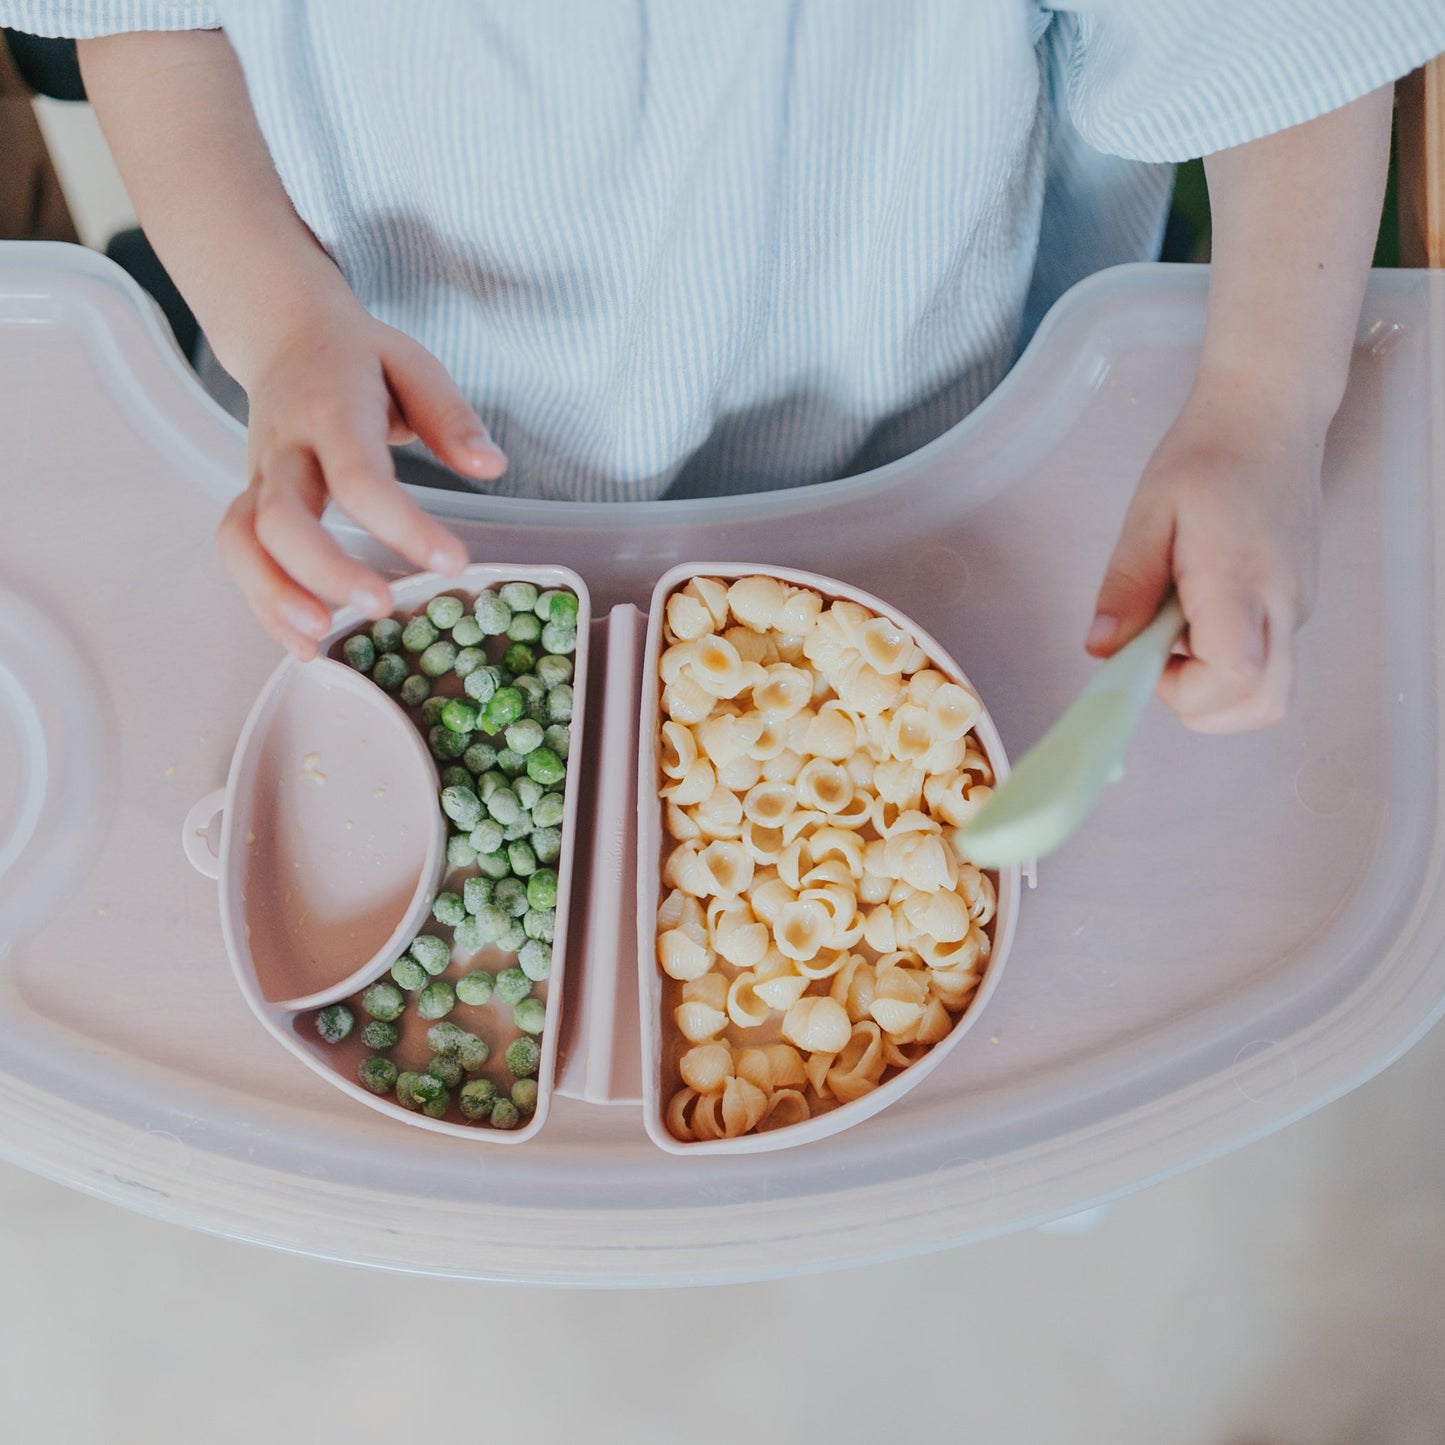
(303, 619)
(484, 448)
(372, 602)
(448, 560)
(1101, 630)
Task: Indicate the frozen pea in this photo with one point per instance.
(522, 858)
(492, 920)
(480, 758)
(530, 1015)
(415, 690)
(335, 1022)
(515, 832)
(473, 1052)
(431, 952)
(448, 908)
(558, 737)
(545, 767)
(490, 781)
(548, 810)
(445, 611)
(525, 629)
(553, 671)
(437, 1108)
(543, 605)
(389, 672)
(534, 958)
(504, 807)
(522, 1057)
(405, 1083)
(459, 716)
(384, 1001)
(564, 610)
(529, 686)
(492, 614)
(519, 596)
(511, 764)
(437, 660)
(467, 936)
(386, 634)
(476, 894)
(467, 632)
(537, 710)
(510, 895)
(524, 736)
(445, 744)
(379, 1034)
(475, 988)
(518, 658)
(431, 710)
(377, 1074)
(436, 1000)
(469, 659)
(495, 864)
(505, 706)
(359, 652)
(486, 837)
(477, 1098)
(546, 844)
(559, 639)
(540, 923)
(462, 806)
(482, 684)
(454, 775)
(559, 703)
(512, 986)
(409, 973)
(445, 1068)
(513, 938)
(542, 889)
(505, 1114)
(418, 634)
(527, 792)
(445, 1038)
(524, 1095)
(460, 853)
(426, 1086)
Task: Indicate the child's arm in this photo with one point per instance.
(1228, 507)
(329, 385)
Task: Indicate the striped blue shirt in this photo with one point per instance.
(676, 247)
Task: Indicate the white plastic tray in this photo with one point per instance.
(1248, 928)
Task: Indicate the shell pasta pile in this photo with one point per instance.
(819, 925)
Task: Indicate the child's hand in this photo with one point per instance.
(1227, 512)
(326, 399)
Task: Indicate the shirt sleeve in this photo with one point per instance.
(85, 19)
(1168, 80)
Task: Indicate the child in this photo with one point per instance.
(671, 246)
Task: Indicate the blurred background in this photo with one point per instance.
(1292, 1293)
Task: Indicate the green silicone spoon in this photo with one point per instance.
(1055, 784)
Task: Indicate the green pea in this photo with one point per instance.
(418, 634)
(475, 988)
(543, 606)
(468, 937)
(480, 758)
(522, 1057)
(359, 652)
(473, 1053)
(546, 844)
(511, 764)
(539, 923)
(436, 1000)
(510, 895)
(486, 837)
(524, 736)
(545, 767)
(492, 614)
(564, 610)
(384, 1001)
(492, 920)
(405, 1083)
(409, 973)
(514, 937)
(530, 1015)
(504, 806)
(427, 1086)
(446, 744)
(522, 858)
(377, 1074)
(462, 806)
(445, 611)
(454, 775)
(431, 710)
(476, 894)
(515, 832)
(415, 690)
(519, 658)
(559, 703)
(467, 633)
(559, 639)
(437, 1108)
(481, 685)
(445, 1038)
(469, 659)
(505, 706)
(379, 1034)
(438, 659)
(445, 1068)
(490, 781)
(519, 596)
(524, 1095)
(386, 634)
(527, 792)
(495, 864)
(476, 1098)
(558, 737)
(529, 686)
(390, 671)
(553, 671)
(431, 952)
(512, 986)
(542, 889)
(460, 853)
(505, 1114)
(534, 958)
(335, 1022)
(448, 908)
(548, 810)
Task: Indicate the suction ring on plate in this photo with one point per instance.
(196, 834)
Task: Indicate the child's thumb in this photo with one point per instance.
(1136, 581)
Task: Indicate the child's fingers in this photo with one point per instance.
(362, 482)
(289, 502)
(1268, 702)
(1137, 578)
(287, 611)
(1226, 672)
(438, 413)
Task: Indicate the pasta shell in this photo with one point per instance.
(743, 1107)
(785, 1108)
(682, 957)
(753, 646)
(885, 646)
(687, 617)
(686, 702)
(799, 614)
(817, 1024)
(713, 595)
(801, 929)
(784, 691)
(824, 786)
(711, 989)
(745, 1008)
(706, 1067)
(696, 1021)
(757, 601)
(679, 1108)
